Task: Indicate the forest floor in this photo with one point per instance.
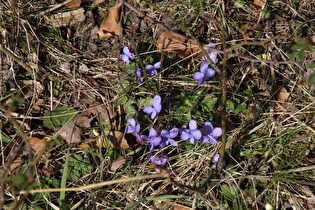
(199, 104)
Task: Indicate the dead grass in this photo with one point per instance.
(270, 149)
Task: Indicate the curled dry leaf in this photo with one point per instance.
(110, 26)
(259, 4)
(169, 43)
(71, 131)
(116, 138)
(38, 145)
(67, 18)
(283, 95)
(115, 164)
(73, 4)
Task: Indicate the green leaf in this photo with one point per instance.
(311, 65)
(229, 192)
(293, 55)
(248, 92)
(122, 100)
(240, 108)
(59, 117)
(209, 103)
(301, 55)
(311, 79)
(230, 105)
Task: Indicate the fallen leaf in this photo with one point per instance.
(117, 140)
(115, 164)
(167, 42)
(67, 18)
(110, 26)
(282, 95)
(37, 145)
(73, 4)
(71, 131)
(259, 4)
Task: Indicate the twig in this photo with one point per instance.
(16, 59)
(55, 7)
(223, 100)
(101, 184)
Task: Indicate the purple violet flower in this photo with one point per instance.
(167, 137)
(138, 73)
(212, 55)
(160, 160)
(156, 107)
(152, 138)
(192, 133)
(133, 128)
(204, 73)
(152, 69)
(216, 158)
(212, 133)
(127, 55)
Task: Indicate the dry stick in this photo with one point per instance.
(16, 59)
(223, 99)
(101, 184)
(55, 7)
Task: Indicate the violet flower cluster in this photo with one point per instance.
(151, 69)
(167, 137)
(206, 72)
(208, 133)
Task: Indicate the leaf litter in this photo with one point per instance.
(92, 87)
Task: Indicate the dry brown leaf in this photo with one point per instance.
(115, 164)
(283, 95)
(167, 42)
(73, 4)
(67, 18)
(116, 138)
(71, 131)
(37, 145)
(110, 26)
(259, 4)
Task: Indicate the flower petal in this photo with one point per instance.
(148, 109)
(149, 67)
(196, 133)
(192, 125)
(172, 142)
(157, 65)
(165, 133)
(192, 140)
(173, 132)
(207, 127)
(216, 132)
(153, 132)
(132, 121)
(130, 129)
(216, 157)
(213, 57)
(209, 72)
(204, 139)
(156, 103)
(184, 136)
(200, 77)
(213, 140)
(126, 50)
(145, 138)
(154, 114)
(204, 66)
